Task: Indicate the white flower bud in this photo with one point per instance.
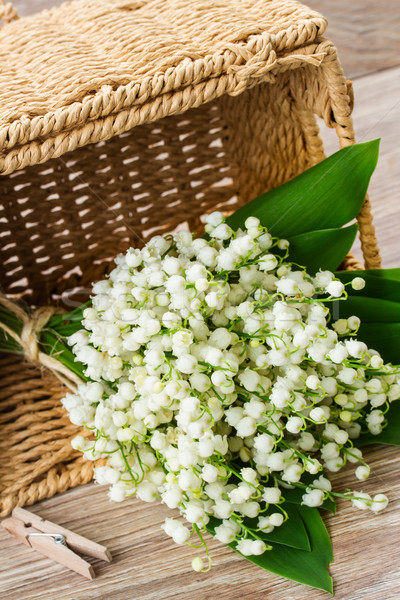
(276, 519)
(79, 443)
(223, 509)
(225, 534)
(322, 483)
(358, 283)
(249, 509)
(249, 474)
(379, 502)
(294, 424)
(374, 385)
(317, 415)
(306, 441)
(197, 564)
(313, 497)
(209, 473)
(356, 348)
(362, 472)
(194, 513)
(341, 326)
(186, 363)
(292, 473)
(271, 495)
(361, 500)
(222, 232)
(214, 219)
(119, 418)
(354, 323)
(338, 354)
(335, 288)
(376, 362)
(172, 497)
(116, 494)
(249, 379)
(252, 222)
(287, 286)
(246, 427)
(146, 491)
(268, 262)
(127, 390)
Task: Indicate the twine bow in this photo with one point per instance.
(28, 339)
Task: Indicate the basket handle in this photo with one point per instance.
(341, 100)
(369, 243)
(7, 12)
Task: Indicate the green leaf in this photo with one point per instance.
(389, 274)
(391, 433)
(323, 249)
(383, 337)
(379, 283)
(292, 533)
(310, 568)
(327, 196)
(53, 345)
(369, 310)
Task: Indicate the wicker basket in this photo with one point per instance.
(121, 119)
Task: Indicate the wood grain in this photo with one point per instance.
(377, 115)
(366, 33)
(147, 565)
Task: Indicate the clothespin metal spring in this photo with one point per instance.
(58, 537)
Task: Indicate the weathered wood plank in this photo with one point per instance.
(377, 115)
(365, 32)
(149, 566)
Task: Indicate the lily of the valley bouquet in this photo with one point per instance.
(227, 375)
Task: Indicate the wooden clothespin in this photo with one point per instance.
(54, 541)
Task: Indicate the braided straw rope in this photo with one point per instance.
(7, 12)
(112, 112)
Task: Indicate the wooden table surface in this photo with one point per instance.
(147, 565)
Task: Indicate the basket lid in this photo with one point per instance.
(91, 69)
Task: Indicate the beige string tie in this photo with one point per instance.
(28, 339)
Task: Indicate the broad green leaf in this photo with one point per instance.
(327, 196)
(382, 283)
(292, 533)
(295, 495)
(369, 310)
(323, 249)
(310, 568)
(383, 337)
(389, 274)
(391, 433)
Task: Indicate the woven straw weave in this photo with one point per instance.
(124, 119)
